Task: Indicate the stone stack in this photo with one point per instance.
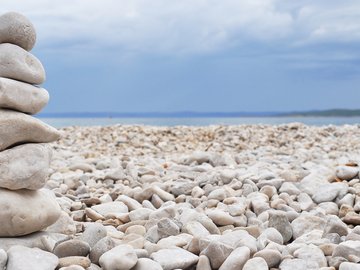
(24, 157)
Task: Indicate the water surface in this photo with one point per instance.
(201, 121)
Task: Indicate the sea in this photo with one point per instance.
(200, 121)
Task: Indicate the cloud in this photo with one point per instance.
(189, 26)
(160, 25)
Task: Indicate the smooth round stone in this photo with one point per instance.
(256, 264)
(220, 217)
(17, 29)
(122, 257)
(20, 258)
(16, 128)
(25, 166)
(236, 259)
(346, 172)
(22, 97)
(72, 247)
(174, 258)
(26, 211)
(349, 266)
(18, 64)
(271, 256)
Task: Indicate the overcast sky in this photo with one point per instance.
(197, 55)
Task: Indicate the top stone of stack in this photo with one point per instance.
(17, 29)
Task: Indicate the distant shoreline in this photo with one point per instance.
(324, 113)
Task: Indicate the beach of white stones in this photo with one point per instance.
(219, 197)
(150, 198)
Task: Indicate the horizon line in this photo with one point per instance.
(182, 114)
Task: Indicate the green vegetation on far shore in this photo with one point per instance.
(326, 113)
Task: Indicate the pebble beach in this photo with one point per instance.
(217, 197)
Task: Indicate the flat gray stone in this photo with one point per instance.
(21, 258)
(25, 166)
(103, 245)
(280, 222)
(217, 253)
(17, 128)
(72, 247)
(20, 65)
(17, 29)
(22, 97)
(26, 211)
(93, 233)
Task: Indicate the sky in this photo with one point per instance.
(197, 55)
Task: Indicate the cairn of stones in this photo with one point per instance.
(25, 207)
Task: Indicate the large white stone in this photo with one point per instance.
(17, 29)
(174, 258)
(22, 97)
(25, 166)
(18, 64)
(122, 257)
(111, 208)
(21, 258)
(26, 211)
(16, 128)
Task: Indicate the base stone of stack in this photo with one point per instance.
(17, 29)
(26, 211)
(16, 128)
(18, 64)
(43, 240)
(25, 166)
(22, 97)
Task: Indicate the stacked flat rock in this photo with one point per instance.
(24, 155)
